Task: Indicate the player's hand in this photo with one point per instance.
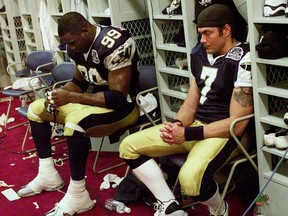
(48, 103)
(172, 133)
(58, 97)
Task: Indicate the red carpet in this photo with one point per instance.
(18, 171)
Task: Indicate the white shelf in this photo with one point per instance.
(169, 114)
(270, 20)
(268, 115)
(103, 15)
(171, 47)
(56, 14)
(281, 61)
(277, 178)
(278, 89)
(5, 27)
(175, 71)
(29, 12)
(280, 177)
(167, 17)
(12, 32)
(174, 93)
(164, 28)
(274, 151)
(275, 119)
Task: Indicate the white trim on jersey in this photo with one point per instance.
(244, 78)
(129, 48)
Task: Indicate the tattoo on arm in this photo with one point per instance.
(244, 96)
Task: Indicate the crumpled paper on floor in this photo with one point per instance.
(110, 178)
(10, 194)
(3, 119)
(4, 184)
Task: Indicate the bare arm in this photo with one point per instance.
(241, 105)
(119, 80)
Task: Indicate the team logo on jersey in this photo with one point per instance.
(235, 53)
(123, 54)
(205, 2)
(95, 57)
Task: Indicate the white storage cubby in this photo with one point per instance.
(56, 9)
(116, 12)
(12, 32)
(270, 89)
(164, 29)
(29, 12)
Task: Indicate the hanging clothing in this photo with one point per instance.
(79, 6)
(45, 26)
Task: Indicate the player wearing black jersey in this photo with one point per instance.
(220, 91)
(106, 57)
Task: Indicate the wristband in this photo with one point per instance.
(194, 133)
(177, 120)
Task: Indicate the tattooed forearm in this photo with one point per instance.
(244, 96)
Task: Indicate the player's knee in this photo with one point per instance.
(189, 182)
(125, 148)
(35, 109)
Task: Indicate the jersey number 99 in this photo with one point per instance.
(109, 39)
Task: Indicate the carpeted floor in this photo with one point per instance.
(18, 169)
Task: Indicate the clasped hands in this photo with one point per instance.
(56, 98)
(172, 133)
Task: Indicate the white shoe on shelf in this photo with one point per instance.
(286, 114)
(281, 139)
(269, 139)
(181, 63)
(286, 14)
(274, 7)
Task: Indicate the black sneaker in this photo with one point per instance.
(169, 208)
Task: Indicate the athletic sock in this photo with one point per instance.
(214, 202)
(47, 178)
(77, 198)
(151, 175)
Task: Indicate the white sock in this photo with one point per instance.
(214, 202)
(46, 166)
(77, 198)
(47, 178)
(76, 188)
(151, 175)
